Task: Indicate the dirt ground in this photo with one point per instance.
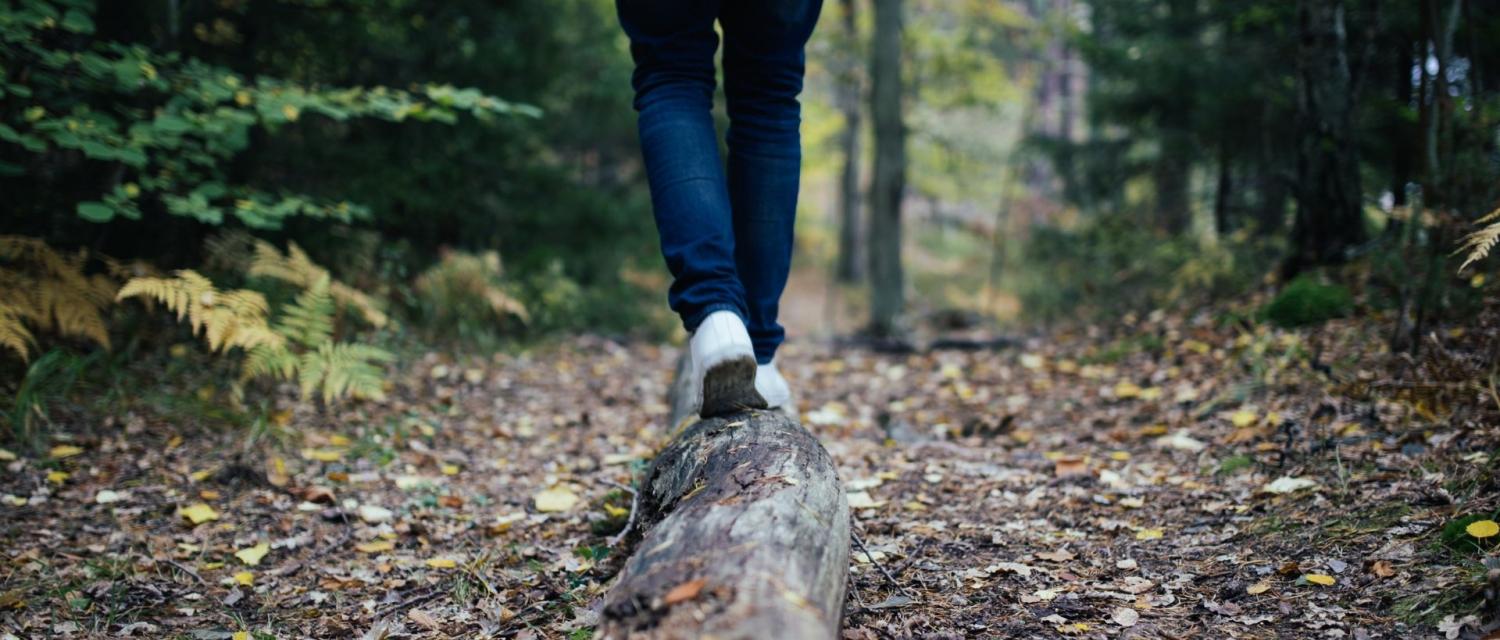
(1175, 477)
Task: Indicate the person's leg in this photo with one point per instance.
(673, 44)
(763, 68)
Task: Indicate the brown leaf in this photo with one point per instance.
(685, 591)
(1061, 555)
(1382, 568)
(1071, 465)
(423, 618)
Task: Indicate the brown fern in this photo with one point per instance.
(1481, 242)
(297, 268)
(50, 291)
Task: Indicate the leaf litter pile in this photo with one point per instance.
(1171, 477)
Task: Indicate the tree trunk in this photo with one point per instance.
(1329, 219)
(887, 281)
(746, 534)
(1170, 175)
(848, 98)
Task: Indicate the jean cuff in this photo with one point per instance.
(691, 322)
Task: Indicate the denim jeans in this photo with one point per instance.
(726, 234)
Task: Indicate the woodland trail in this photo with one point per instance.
(1179, 479)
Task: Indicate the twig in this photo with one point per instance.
(188, 571)
(410, 602)
(888, 577)
(635, 499)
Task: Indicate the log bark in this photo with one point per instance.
(745, 534)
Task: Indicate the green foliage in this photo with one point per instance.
(1113, 264)
(165, 127)
(1306, 301)
(47, 380)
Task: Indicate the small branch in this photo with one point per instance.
(188, 571)
(635, 500)
(888, 577)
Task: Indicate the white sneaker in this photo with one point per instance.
(724, 366)
(773, 387)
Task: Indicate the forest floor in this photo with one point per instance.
(1173, 477)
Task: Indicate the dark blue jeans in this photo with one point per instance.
(726, 235)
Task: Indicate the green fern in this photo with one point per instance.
(308, 321)
(343, 369)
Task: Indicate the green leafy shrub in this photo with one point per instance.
(1306, 301)
(163, 128)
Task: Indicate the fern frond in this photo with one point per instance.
(228, 319)
(343, 369)
(297, 268)
(308, 321)
(1481, 242)
(13, 333)
(51, 291)
(232, 250)
(269, 361)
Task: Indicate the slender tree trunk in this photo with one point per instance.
(848, 97)
(887, 280)
(1329, 218)
(1223, 193)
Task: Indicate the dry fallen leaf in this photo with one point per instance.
(1288, 484)
(1318, 578)
(245, 578)
(1483, 529)
(423, 618)
(555, 500)
(252, 556)
(64, 451)
(1061, 555)
(1258, 588)
(1382, 568)
(375, 546)
(682, 592)
(198, 513)
(862, 500)
(442, 563)
(1125, 616)
(1071, 466)
(1148, 534)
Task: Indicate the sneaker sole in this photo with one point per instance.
(729, 387)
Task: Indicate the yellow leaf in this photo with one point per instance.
(1318, 578)
(174, 442)
(57, 477)
(1483, 528)
(198, 513)
(1119, 455)
(555, 499)
(6, 456)
(450, 469)
(200, 476)
(65, 451)
(338, 440)
(442, 563)
(291, 112)
(245, 578)
(1243, 418)
(616, 512)
(1151, 393)
(323, 455)
(1125, 390)
(211, 566)
(240, 635)
(375, 546)
(1148, 534)
(1258, 588)
(251, 556)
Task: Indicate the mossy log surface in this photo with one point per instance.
(745, 535)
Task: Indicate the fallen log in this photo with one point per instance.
(745, 534)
